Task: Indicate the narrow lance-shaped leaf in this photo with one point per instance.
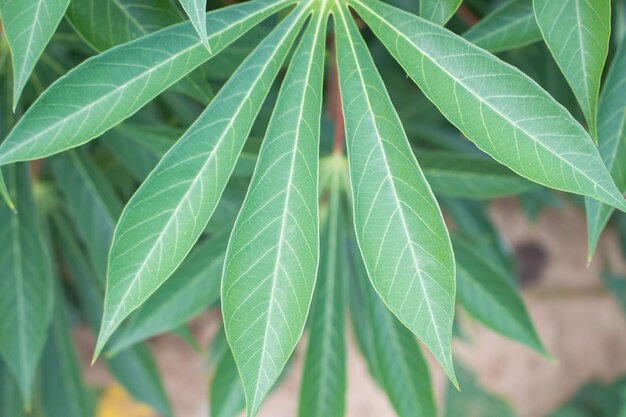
(495, 105)
(10, 404)
(438, 11)
(271, 261)
(577, 33)
(511, 25)
(394, 356)
(196, 10)
(25, 283)
(226, 395)
(118, 82)
(323, 386)
(29, 25)
(489, 295)
(612, 143)
(165, 217)
(399, 227)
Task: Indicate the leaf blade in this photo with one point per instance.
(125, 90)
(438, 11)
(551, 148)
(196, 9)
(383, 153)
(278, 284)
(586, 37)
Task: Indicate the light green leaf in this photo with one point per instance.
(399, 227)
(10, 404)
(394, 356)
(92, 203)
(323, 386)
(4, 192)
(271, 261)
(577, 33)
(226, 395)
(495, 105)
(29, 25)
(25, 283)
(196, 10)
(488, 294)
(469, 176)
(134, 368)
(165, 217)
(118, 82)
(612, 143)
(64, 393)
(192, 288)
(511, 25)
(438, 11)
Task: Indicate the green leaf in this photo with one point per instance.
(399, 227)
(617, 285)
(226, 394)
(134, 368)
(25, 283)
(196, 10)
(10, 404)
(438, 11)
(511, 25)
(192, 288)
(118, 82)
(165, 217)
(612, 143)
(488, 294)
(271, 261)
(64, 393)
(323, 386)
(393, 356)
(495, 105)
(4, 192)
(92, 203)
(29, 25)
(577, 33)
(474, 400)
(469, 176)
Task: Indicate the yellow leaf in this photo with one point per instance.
(115, 402)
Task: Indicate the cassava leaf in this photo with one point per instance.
(438, 11)
(226, 392)
(323, 386)
(577, 33)
(611, 141)
(399, 227)
(468, 176)
(193, 287)
(511, 25)
(495, 105)
(29, 25)
(10, 404)
(271, 261)
(394, 356)
(489, 295)
(196, 10)
(25, 283)
(118, 82)
(165, 217)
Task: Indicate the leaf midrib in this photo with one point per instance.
(574, 167)
(390, 179)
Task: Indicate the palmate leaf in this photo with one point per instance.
(196, 9)
(577, 33)
(511, 25)
(271, 262)
(399, 227)
(612, 143)
(488, 294)
(495, 105)
(438, 11)
(165, 217)
(29, 25)
(118, 82)
(25, 283)
(323, 386)
(393, 356)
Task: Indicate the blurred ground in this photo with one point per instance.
(578, 321)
